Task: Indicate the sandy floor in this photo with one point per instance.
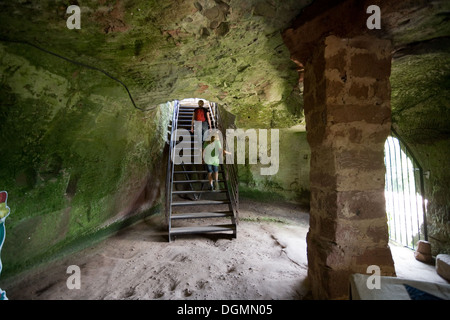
(267, 260)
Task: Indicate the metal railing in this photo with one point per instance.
(230, 169)
(404, 192)
(213, 111)
(170, 162)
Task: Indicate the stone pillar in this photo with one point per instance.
(348, 117)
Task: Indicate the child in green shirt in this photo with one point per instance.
(211, 152)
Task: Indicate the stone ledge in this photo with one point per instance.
(393, 288)
(443, 266)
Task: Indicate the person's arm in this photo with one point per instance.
(222, 150)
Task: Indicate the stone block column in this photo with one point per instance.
(348, 117)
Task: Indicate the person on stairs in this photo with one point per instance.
(203, 115)
(211, 152)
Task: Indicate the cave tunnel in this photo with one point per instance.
(85, 113)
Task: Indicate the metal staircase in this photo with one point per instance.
(191, 208)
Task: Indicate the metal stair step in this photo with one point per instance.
(193, 153)
(203, 229)
(220, 208)
(186, 148)
(199, 202)
(194, 171)
(198, 191)
(193, 181)
(188, 137)
(201, 215)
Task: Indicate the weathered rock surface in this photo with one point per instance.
(73, 144)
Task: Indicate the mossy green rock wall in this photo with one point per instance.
(76, 155)
(421, 113)
(291, 181)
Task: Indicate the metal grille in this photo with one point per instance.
(405, 203)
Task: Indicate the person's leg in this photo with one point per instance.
(210, 179)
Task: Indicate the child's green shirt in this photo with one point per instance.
(212, 152)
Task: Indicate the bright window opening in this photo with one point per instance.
(405, 205)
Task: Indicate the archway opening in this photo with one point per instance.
(404, 193)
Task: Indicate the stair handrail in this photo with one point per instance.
(170, 163)
(214, 115)
(230, 170)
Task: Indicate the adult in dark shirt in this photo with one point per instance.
(203, 115)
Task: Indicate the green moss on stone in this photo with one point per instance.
(420, 113)
(74, 154)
